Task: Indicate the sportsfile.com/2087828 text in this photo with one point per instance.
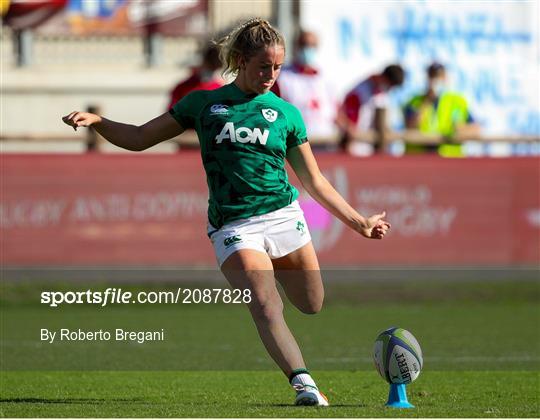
(114, 295)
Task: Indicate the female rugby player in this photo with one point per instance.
(254, 221)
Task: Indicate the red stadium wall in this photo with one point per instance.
(151, 209)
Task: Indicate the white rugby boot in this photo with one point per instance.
(310, 395)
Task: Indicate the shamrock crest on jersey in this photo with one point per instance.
(269, 114)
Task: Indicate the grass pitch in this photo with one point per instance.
(481, 344)
(262, 394)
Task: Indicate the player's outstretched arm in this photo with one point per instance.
(305, 166)
(127, 136)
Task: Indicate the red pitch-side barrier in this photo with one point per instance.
(151, 209)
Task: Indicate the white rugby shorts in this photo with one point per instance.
(277, 233)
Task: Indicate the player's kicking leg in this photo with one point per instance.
(298, 272)
(250, 269)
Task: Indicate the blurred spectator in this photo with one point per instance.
(204, 77)
(364, 107)
(439, 111)
(303, 85)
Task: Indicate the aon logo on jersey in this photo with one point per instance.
(242, 134)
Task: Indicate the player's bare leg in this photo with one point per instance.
(254, 270)
(250, 269)
(300, 276)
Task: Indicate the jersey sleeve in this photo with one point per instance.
(296, 134)
(351, 107)
(380, 100)
(186, 110)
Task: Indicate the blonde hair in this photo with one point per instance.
(245, 41)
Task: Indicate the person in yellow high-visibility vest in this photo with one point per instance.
(439, 111)
(4, 6)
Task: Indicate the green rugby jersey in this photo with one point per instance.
(244, 139)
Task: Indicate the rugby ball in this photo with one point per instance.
(397, 356)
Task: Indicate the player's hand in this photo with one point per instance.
(81, 119)
(376, 227)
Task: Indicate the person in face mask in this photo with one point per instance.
(204, 77)
(437, 82)
(440, 111)
(306, 50)
(304, 85)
